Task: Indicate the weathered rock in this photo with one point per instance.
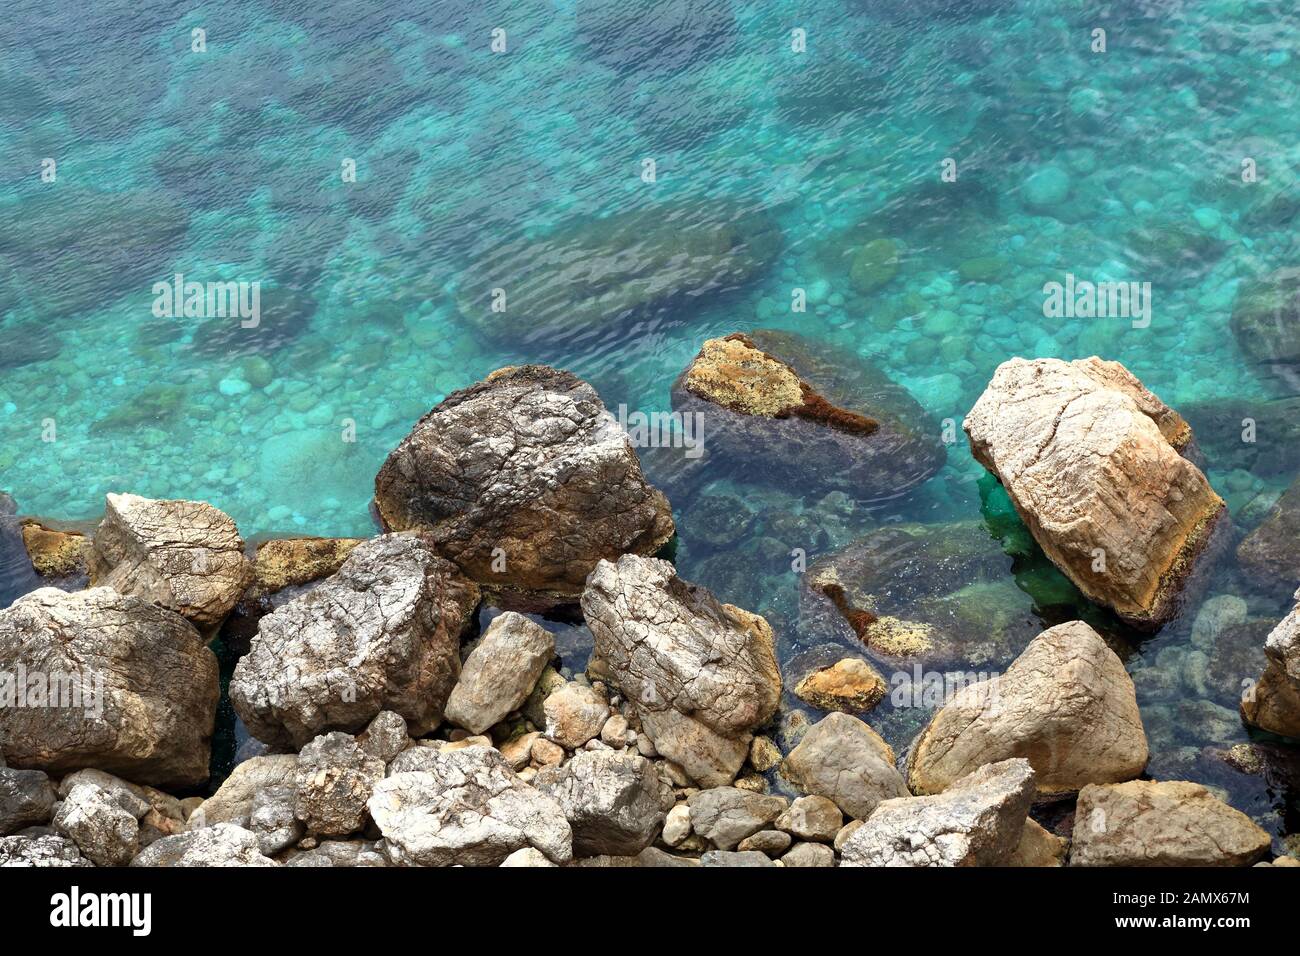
(978, 821)
(1170, 823)
(136, 683)
(700, 674)
(726, 815)
(1271, 551)
(26, 799)
(525, 481)
(732, 858)
(938, 594)
(184, 555)
(223, 844)
(575, 713)
(809, 855)
(763, 754)
(233, 801)
(651, 856)
(55, 553)
(771, 842)
(812, 818)
(469, 809)
(527, 856)
(385, 737)
(1273, 704)
(1093, 463)
(273, 820)
(615, 803)
(500, 672)
(381, 634)
(844, 760)
(1066, 704)
(590, 279)
(850, 686)
(334, 779)
(160, 814)
(1038, 848)
(1266, 324)
(285, 562)
(105, 832)
(789, 411)
(47, 850)
(338, 853)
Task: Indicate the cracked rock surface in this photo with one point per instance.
(47, 850)
(467, 808)
(185, 555)
(224, 844)
(1170, 823)
(151, 718)
(525, 481)
(1093, 463)
(381, 634)
(615, 803)
(1066, 704)
(701, 675)
(978, 821)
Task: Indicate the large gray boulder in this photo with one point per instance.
(1066, 704)
(525, 481)
(701, 675)
(136, 685)
(184, 555)
(500, 672)
(467, 809)
(106, 832)
(1170, 823)
(844, 760)
(1093, 463)
(224, 844)
(614, 802)
(977, 821)
(381, 634)
(726, 815)
(26, 799)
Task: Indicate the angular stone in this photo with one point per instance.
(469, 809)
(731, 858)
(48, 850)
(726, 815)
(286, 562)
(1038, 848)
(525, 481)
(184, 555)
(223, 844)
(1092, 462)
(141, 687)
(575, 713)
(844, 760)
(333, 781)
(385, 737)
(338, 853)
(700, 674)
(1066, 704)
(615, 803)
(786, 409)
(26, 799)
(809, 855)
(527, 856)
(1170, 823)
(273, 821)
(1272, 551)
(978, 821)
(92, 818)
(1273, 704)
(812, 818)
(500, 672)
(233, 801)
(381, 634)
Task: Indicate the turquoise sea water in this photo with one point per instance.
(226, 165)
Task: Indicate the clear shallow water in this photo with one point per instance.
(226, 165)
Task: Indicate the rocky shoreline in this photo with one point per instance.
(395, 723)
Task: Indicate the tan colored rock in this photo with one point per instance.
(233, 801)
(850, 686)
(1171, 823)
(500, 672)
(844, 760)
(1092, 463)
(55, 554)
(1039, 848)
(763, 754)
(1273, 704)
(574, 714)
(183, 555)
(284, 562)
(1066, 704)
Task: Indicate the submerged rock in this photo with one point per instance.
(701, 675)
(978, 821)
(525, 481)
(783, 410)
(124, 686)
(1066, 704)
(851, 686)
(591, 280)
(844, 760)
(1170, 823)
(1266, 324)
(1272, 551)
(659, 37)
(467, 809)
(1274, 703)
(183, 555)
(1093, 463)
(938, 594)
(381, 634)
